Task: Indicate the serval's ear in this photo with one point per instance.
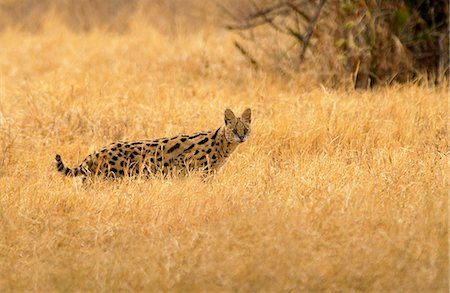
(247, 116)
(229, 116)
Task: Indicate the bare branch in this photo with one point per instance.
(299, 12)
(246, 54)
(296, 35)
(285, 10)
(310, 28)
(265, 11)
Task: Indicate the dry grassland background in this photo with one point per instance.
(335, 191)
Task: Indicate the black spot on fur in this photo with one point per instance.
(122, 163)
(96, 155)
(203, 140)
(190, 147)
(174, 147)
(113, 170)
(112, 163)
(197, 135)
(215, 134)
(159, 159)
(121, 172)
(208, 151)
(202, 157)
(214, 157)
(135, 153)
(152, 160)
(165, 141)
(196, 152)
(114, 158)
(183, 139)
(113, 149)
(137, 142)
(119, 145)
(67, 171)
(166, 164)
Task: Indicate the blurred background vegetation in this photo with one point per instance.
(370, 42)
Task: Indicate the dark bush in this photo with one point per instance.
(375, 42)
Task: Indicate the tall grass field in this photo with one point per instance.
(336, 190)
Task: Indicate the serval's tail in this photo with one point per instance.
(66, 170)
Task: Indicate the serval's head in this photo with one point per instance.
(237, 129)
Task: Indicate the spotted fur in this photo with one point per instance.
(179, 155)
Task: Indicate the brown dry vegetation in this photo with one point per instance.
(336, 190)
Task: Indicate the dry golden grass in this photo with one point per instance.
(336, 190)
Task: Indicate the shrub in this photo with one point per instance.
(375, 42)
